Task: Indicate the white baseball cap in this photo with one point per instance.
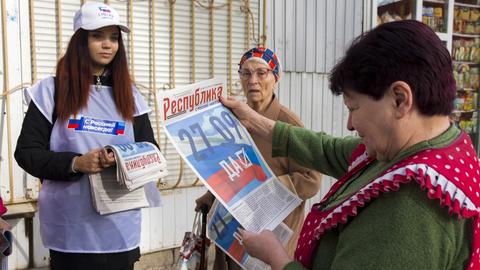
(94, 15)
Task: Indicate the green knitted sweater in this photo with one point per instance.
(398, 230)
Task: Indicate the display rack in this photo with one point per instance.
(457, 24)
(435, 13)
(466, 59)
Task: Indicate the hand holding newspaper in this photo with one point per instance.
(119, 188)
(221, 152)
(222, 228)
(138, 163)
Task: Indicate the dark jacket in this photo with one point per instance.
(33, 146)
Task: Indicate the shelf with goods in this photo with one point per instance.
(466, 59)
(434, 13)
(388, 10)
(457, 23)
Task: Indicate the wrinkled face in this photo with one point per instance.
(258, 82)
(103, 46)
(374, 122)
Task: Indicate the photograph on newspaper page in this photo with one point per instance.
(221, 152)
(222, 229)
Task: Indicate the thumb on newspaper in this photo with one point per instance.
(266, 247)
(88, 162)
(107, 159)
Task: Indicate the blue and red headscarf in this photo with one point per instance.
(265, 54)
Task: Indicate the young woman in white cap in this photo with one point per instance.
(62, 138)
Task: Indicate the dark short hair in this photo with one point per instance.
(406, 51)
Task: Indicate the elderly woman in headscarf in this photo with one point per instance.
(259, 71)
(408, 194)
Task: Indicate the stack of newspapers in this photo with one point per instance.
(120, 188)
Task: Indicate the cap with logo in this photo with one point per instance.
(95, 15)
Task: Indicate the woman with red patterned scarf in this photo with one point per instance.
(259, 72)
(408, 194)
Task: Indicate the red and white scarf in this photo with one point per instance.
(450, 174)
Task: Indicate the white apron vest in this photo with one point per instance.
(68, 222)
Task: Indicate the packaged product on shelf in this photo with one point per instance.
(458, 25)
(466, 50)
(438, 19)
(470, 28)
(386, 17)
(427, 16)
(476, 52)
(475, 100)
(466, 78)
(456, 76)
(433, 17)
(459, 52)
(466, 20)
(468, 125)
(464, 13)
(469, 104)
(474, 14)
(458, 103)
(475, 78)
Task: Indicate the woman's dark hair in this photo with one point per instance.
(74, 77)
(406, 51)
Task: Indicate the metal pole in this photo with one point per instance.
(7, 96)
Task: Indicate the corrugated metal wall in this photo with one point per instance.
(309, 36)
(163, 56)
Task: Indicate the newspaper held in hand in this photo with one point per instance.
(117, 189)
(222, 229)
(138, 163)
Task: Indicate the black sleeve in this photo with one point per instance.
(142, 129)
(33, 149)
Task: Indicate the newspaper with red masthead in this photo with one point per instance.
(119, 188)
(219, 149)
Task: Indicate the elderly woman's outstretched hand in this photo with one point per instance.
(253, 121)
(243, 112)
(266, 247)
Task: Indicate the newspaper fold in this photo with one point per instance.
(138, 163)
(119, 188)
